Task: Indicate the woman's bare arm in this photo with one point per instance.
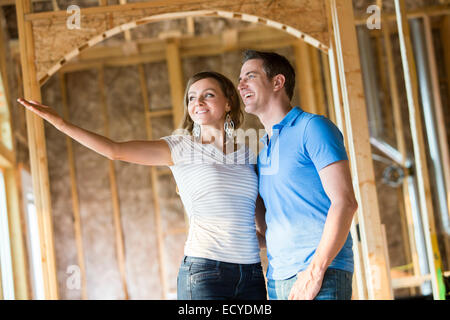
(155, 152)
(260, 219)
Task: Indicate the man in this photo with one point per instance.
(305, 184)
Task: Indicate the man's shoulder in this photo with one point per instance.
(304, 120)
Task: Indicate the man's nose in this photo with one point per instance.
(242, 84)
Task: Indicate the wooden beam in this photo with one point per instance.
(440, 122)
(359, 283)
(153, 50)
(420, 152)
(437, 10)
(401, 147)
(119, 240)
(8, 162)
(328, 87)
(411, 281)
(176, 81)
(318, 88)
(74, 191)
(445, 36)
(377, 272)
(38, 155)
(155, 188)
(305, 78)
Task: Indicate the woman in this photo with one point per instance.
(217, 185)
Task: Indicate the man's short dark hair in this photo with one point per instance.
(274, 64)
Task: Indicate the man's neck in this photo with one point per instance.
(273, 115)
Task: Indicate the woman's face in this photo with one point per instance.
(207, 104)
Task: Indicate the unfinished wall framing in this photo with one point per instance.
(332, 85)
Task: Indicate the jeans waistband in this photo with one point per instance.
(216, 262)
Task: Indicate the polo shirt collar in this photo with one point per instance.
(291, 116)
(288, 120)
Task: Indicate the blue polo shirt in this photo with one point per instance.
(296, 203)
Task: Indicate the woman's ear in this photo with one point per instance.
(227, 107)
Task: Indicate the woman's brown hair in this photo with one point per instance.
(228, 90)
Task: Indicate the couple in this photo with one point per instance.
(307, 203)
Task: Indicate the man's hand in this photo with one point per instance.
(307, 286)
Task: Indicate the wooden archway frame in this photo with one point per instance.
(327, 25)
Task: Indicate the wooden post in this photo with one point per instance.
(329, 87)
(445, 35)
(155, 190)
(176, 81)
(120, 247)
(305, 78)
(318, 88)
(438, 108)
(400, 142)
(38, 154)
(376, 266)
(15, 217)
(74, 191)
(359, 285)
(421, 169)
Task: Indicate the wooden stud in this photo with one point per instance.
(119, 239)
(305, 78)
(190, 26)
(437, 10)
(328, 87)
(37, 147)
(377, 272)
(445, 36)
(440, 123)
(317, 80)
(385, 107)
(176, 81)
(8, 161)
(155, 188)
(421, 169)
(74, 191)
(401, 147)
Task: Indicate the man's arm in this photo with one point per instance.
(337, 183)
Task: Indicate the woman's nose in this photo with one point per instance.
(198, 101)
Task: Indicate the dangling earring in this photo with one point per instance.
(229, 126)
(196, 130)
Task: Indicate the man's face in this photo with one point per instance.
(254, 86)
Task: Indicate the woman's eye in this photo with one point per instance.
(191, 98)
(209, 95)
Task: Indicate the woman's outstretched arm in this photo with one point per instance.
(155, 152)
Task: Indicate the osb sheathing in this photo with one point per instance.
(53, 40)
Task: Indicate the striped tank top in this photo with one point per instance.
(218, 192)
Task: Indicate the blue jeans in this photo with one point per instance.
(205, 279)
(336, 285)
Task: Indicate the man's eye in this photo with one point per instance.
(209, 95)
